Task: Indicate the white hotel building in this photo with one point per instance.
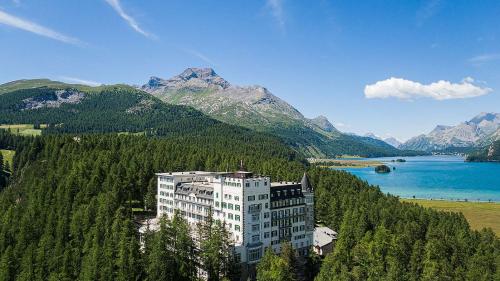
(258, 213)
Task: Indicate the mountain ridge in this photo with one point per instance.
(481, 130)
(255, 107)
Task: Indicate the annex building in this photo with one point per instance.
(259, 213)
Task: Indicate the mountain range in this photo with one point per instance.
(255, 107)
(480, 131)
(390, 140)
(196, 100)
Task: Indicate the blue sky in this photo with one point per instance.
(320, 56)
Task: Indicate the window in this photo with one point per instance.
(266, 225)
(230, 206)
(254, 255)
(251, 198)
(274, 233)
(217, 195)
(255, 217)
(237, 207)
(255, 227)
(266, 215)
(266, 235)
(224, 205)
(237, 217)
(230, 216)
(255, 238)
(247, 184)
(263, 196)
(237, 227)
(217, 204)
(267, 205)
(237, 198)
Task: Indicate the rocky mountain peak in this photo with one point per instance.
(323, 122)
(486, 116)
(206, 75)
(192, 78)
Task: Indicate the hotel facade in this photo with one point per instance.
(258, 213)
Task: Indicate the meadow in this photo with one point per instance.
(479, 214)
(23, 129)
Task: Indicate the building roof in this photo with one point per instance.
(199, 189)
(306, 184)
(187, 173)
(324, 236)
(284, 184)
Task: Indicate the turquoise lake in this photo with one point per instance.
(436, 177)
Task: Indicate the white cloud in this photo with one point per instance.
(484, 58)
(409, 90)
(29, 26)
(80, 81)
(116, 5)
(276, 9)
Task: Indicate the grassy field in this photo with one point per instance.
(479, 214)
(344, 163)
(8, 155)
(23, 129)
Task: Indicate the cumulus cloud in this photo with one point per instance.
(32, 27)
(116, 5)
(80, 81)
(409, 90)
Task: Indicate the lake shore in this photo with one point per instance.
(344, 163)
(479, 214)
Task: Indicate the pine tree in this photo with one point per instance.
(216, 250)
(273, 268)
(289, 255)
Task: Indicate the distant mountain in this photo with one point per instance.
(257, 108)
(372, 135)
(481, 130)
(393, 141)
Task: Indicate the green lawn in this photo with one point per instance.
(479, 214)
(23, 129)
(8, 156)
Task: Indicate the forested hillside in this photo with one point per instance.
(490, 153)
(66, 216)
(102, 109)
